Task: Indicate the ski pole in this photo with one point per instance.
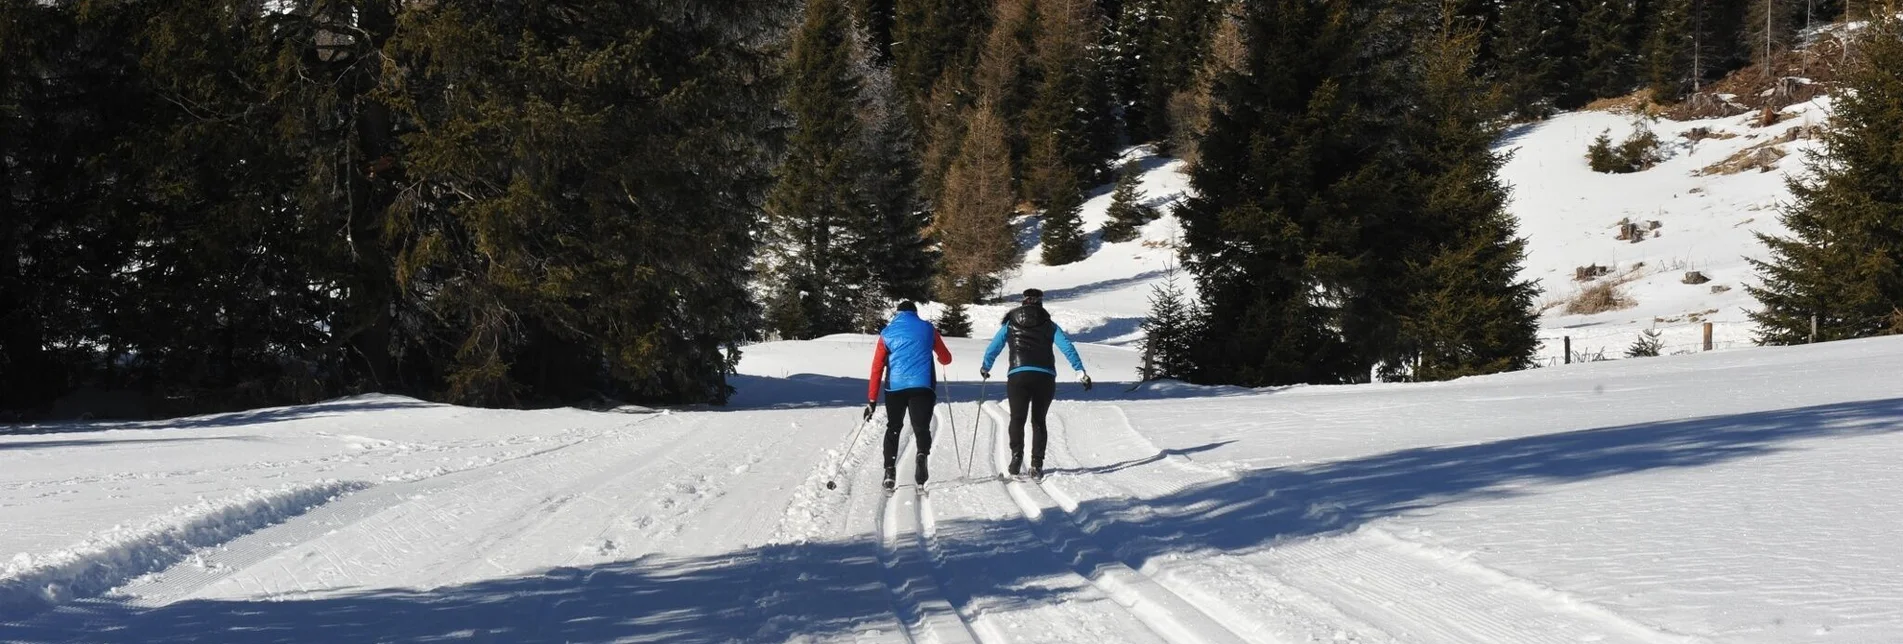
(851, 443)
(952, 411)
(975, 417)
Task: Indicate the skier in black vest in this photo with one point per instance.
(1032, 381)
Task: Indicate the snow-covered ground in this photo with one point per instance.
(1708, 222)
(1743, 496)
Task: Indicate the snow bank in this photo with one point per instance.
(29, 583)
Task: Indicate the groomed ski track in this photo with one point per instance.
(1186, 517)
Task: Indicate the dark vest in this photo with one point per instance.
(1032, 335)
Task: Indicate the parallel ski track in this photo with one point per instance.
(1374, 583)
(1171, 616)
(912, 573)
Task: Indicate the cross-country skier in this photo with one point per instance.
(903, 362)
(1032, 381)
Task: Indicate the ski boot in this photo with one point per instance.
(890, 479)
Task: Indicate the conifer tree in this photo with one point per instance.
(554, 265)
(901, 257)
(1466, 310)
(972, 222)
(1275, 240)
(955, 322)
(1769, 29)
(931, 38)
(1609, 29)
(824, 231)
(1063, 231)
(1843, 261)
(1190, 109)
(1071, 126)
(1170, 332)
(1671, 50)
(1127, 211)
(1533, 63)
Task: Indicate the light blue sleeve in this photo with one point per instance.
(1070, 350)
(997, 345)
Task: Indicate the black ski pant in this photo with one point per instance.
(918, 404)
(1030, 393)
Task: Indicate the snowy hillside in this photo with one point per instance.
(1732, 497)
(1707, 222)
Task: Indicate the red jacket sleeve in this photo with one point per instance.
(878, 372)
(938, 346)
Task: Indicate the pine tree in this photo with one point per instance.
(1063, 231)
(1610, 31)
(824, 233)
(1170, 332)
(1648, 345)
(1465, 309)
(1070, 127)
(1127, 212)
(1530, 64)
(902, 258)
(1671, 50)
(972, 222)
(1158, 47)
(955, 322)
(1275, 240)
(1844, 259)
(931, 38)
(552, 264)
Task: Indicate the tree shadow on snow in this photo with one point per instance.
(234, 419)
(841, 589)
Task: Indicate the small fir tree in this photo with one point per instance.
(955, 321)
(1647, 345)
(1170, 332)
(1127, 213)
(1063, 233)
(1843, 261)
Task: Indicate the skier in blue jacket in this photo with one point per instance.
(1032, 381)
(903, 363)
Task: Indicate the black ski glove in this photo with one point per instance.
(871, 405)
(1084, 378)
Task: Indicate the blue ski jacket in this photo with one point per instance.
(904, 357)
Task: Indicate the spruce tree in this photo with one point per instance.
(554, 265)
(1531, 65)
(1770, 27)
(1465, 308)
(902, 258)
(1063, 231)
(955, 322)
(1170, 332)
(823, 230)
(1671, 50)
(1609, 29)
(1070, 127)
(931, 38)
(1843, 261)
(1127, 212)
(1275, 240)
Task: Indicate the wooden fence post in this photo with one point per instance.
(1707, 336)
(1813, 328)
(1569, 349)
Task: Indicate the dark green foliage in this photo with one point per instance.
(1295, 179)
(1610, 32)
(929, 39)
(1127, 212)
(822, 227)
(1348, 216)
(1602, 156)
(1157, 47)
(1170, 332)
(1637, 153)
(270, 218)
(1647, 345)
(1672, 49)
(1843, 261)
(1533, 68)
(1070, 127)
(955, 322)
(1063, 230)
(1464, 308)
